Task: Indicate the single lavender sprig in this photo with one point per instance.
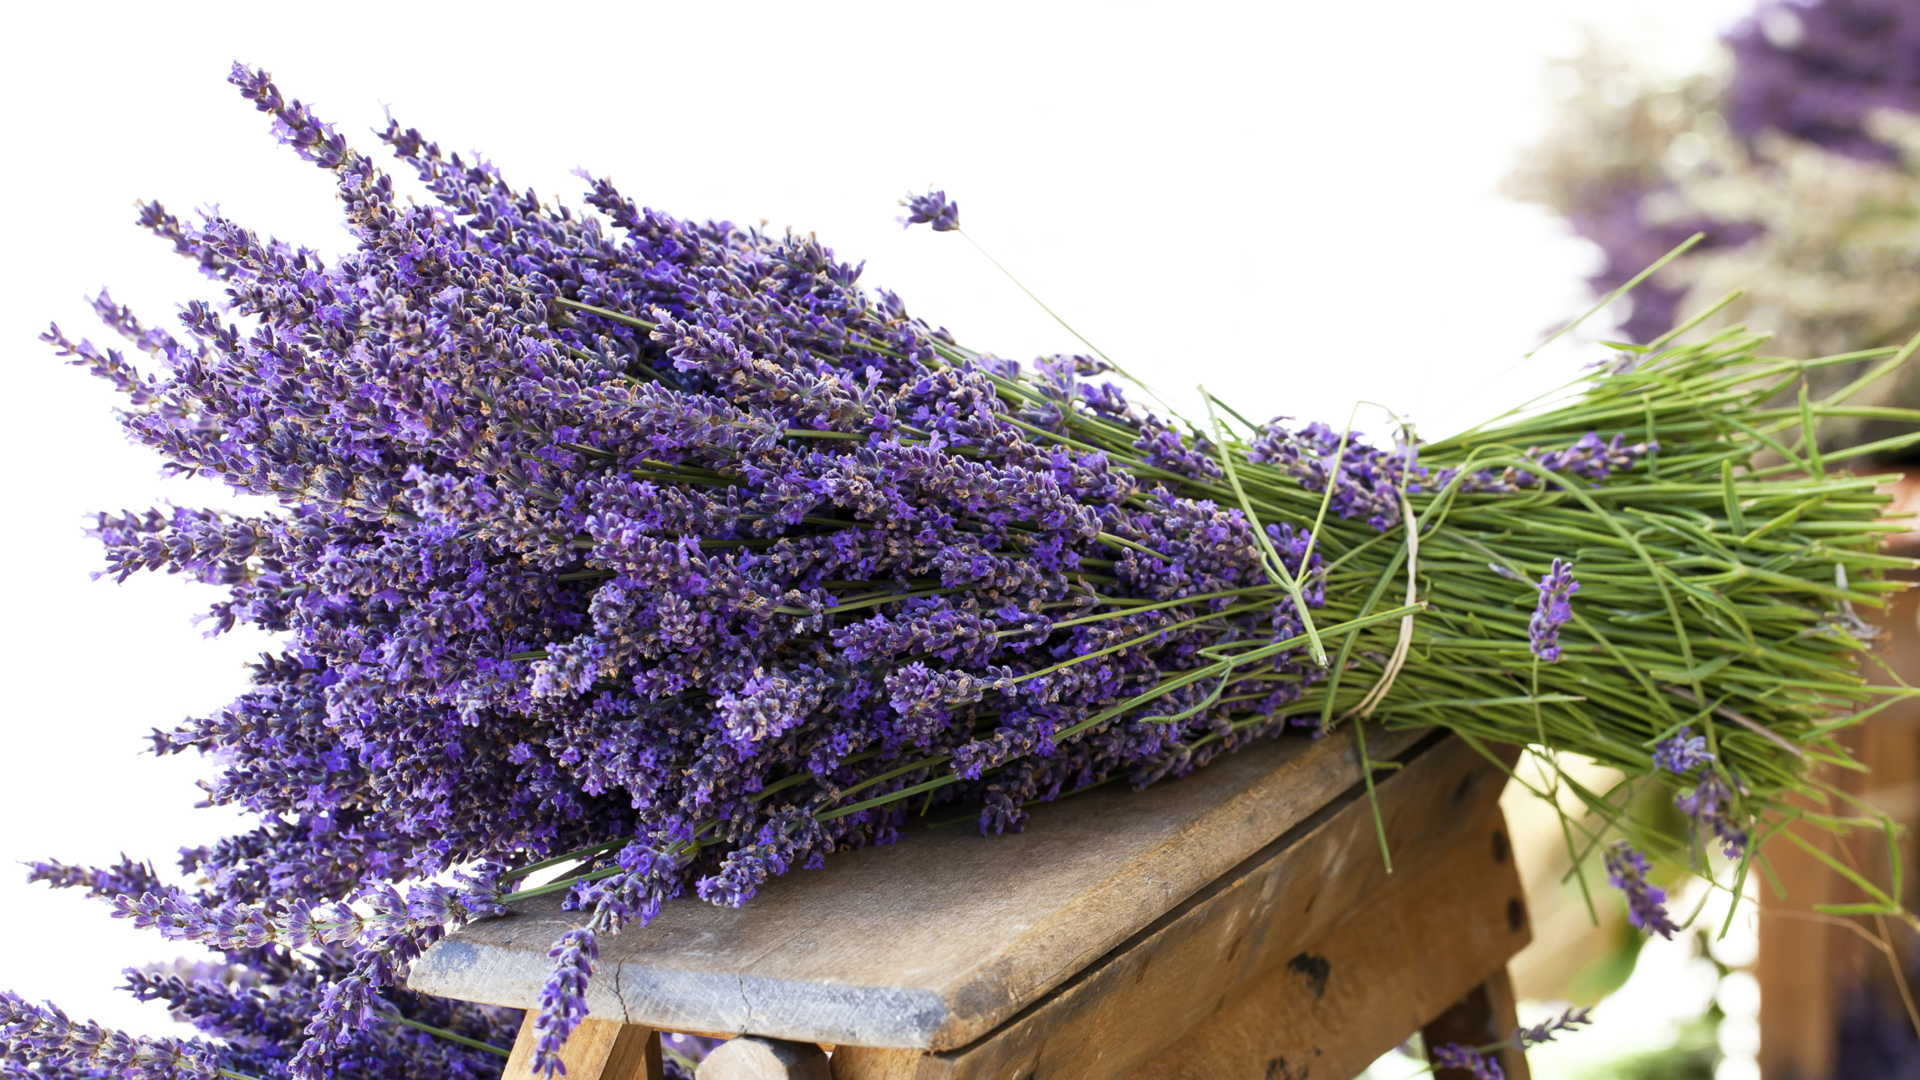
(563, 998)
(1456, 1056)
(1546, 1030)
(1710, 805)
(1554, 610)
(125, 877)
(380, 938)
(933, 209)
(1646, 902)
(1590, 457)
(256, 999)
(48, 1036)
(1682, 753)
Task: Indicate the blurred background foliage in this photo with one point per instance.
(1797, 154)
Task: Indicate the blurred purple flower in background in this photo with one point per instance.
(1813, 72)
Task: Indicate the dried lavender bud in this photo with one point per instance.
(1367, 480)
(1710, 805)
(931, 209)
(47, 1036)
(1682, 753)
(258, 1002)
(1554, 610)
(1546, 1030)
(1589, 457)
(1646, 902)
(124, 878)
(563, 1000)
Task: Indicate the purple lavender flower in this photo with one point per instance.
(1815, 70)
(563, 1000)
(1710, 805)
(126, 877)
(258, 1002)
(1367, 480)
(1592, 458)
(1682, 753)
(1646, 902)
(1456, 1056)
(1546, 1030)
(1589, 457)
(934, 209)
(47, 1036)
(1554, 610)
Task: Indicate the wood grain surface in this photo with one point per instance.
(1375, 979)
(1270, 931)
(597, 1050)
(932, 942)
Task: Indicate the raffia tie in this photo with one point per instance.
(1405, 645)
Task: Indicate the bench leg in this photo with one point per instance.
(597, 1050)
(1484, 1015)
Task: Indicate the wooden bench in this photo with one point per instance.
(1235, 923)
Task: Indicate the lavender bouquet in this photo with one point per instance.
(665, 556)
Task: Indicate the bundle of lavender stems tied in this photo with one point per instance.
(665, 557)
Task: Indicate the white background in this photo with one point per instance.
(1295, 202)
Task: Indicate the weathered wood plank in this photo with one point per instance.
(1257, 922)
(597, 1050)
(932, 942)
(1374, 980)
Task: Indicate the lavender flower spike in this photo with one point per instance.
(1707, 804)
(1682, 753)
(1545, 1030)
(934, 209)
(1646, 902)
(1455, 1056)
(47, 1036)
(563, 1000)
(1554, 611)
